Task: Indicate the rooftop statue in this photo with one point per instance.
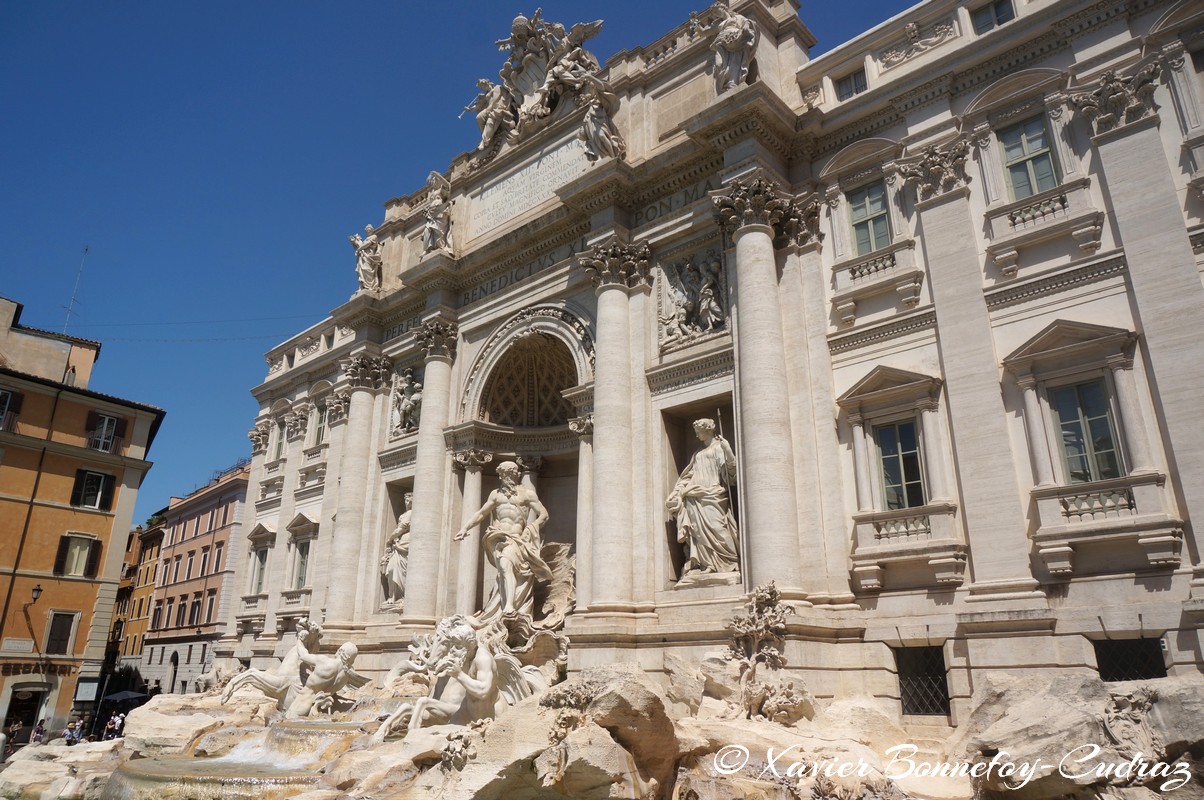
(436, 232)
(367, 259)
(734, 45)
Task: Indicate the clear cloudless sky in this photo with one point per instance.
(215, 157)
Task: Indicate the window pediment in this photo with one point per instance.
(1066, 343)
(868, 152)
(302, 527)
(1015, 89)
(261, 535)
(887, 386)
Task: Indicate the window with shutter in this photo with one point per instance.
(10, 407)
(58, 639)
(93, 490)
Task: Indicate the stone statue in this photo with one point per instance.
(281, 681)
(216, 678)
(602, 139)
(693, 291)
(472, 673)
(495, 113)
(407, 403)
(733, 46)
(367, 259)
(512, 544)
(436, 232)
(396, 559)
(701, 506)
(327, 675)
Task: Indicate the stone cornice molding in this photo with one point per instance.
(610, 184)
(438, 338)
(501, 440)
(363, 371)
(1118, 101)
(690, 371)
(618, 264)
(472, 458)
(754, 112)
(938, 169)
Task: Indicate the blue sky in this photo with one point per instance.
(216, 156)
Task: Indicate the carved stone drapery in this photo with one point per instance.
(472, 458)
(938, 169)
(1118, 101)
(616, 263)
(368, 372)
(582, 426)
(259, 436)
(438, 338)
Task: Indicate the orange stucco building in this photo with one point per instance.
(71, 462)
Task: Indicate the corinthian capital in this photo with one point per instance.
(367, 372)
(617, 264)
(1117, 101)
(754, 202)
(800, 222)
(438, 338)
(938, 169)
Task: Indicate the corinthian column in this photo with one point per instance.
(469, 562)
(614, 268)
(749, 211)
(365, 374)
(438, 338)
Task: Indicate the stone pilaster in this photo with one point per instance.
(991, 505)
(1167, 296)
(438, 339)
(614, 267)
(365, 375)
(584, 428)
(750, 211)
(469, 560)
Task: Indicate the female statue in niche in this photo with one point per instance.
(700, 504)
(396, 559)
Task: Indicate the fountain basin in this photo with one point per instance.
(205, 779)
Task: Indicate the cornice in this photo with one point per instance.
(898, 326)
(1013, 293)
(502, 439)
(750, 112)
(692, 370)
(398, 456)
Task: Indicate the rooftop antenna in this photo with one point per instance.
(75, 291)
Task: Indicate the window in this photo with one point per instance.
(58, 637)
(260, 566)
(302, 565)
(10, 407)
(991, 15)
(104, 432)
(78, 556)
(188, 569)
(870, 218)
(156, 617)
(204, 560)
(212, 599)
(194, 610)
(280, 439)
(899, 458)
(175, 573)
(181, 610)
(1129, 659)
(171, 604)
(851, 84)
(320, 423)
(217, 556)
(1027, 158)
(188, 658)
(923, 688)
(93, 490)
(1087, 431)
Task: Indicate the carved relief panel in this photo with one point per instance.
(692, 301)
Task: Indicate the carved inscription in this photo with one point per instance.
(499, 282)
(519, 191)
(678, 200)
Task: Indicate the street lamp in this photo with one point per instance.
(37, 592)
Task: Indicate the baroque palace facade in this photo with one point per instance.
(938, 289)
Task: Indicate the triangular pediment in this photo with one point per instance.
(301, 524)
(262, 533)
(1063, 339)
(884, 384)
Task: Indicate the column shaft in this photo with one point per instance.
(469, 562)
(1034, 428)
(430, 480)
(349, 520)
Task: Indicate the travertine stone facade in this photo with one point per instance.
(939, 289)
